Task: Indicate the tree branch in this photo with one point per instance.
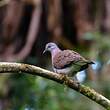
(34, 70)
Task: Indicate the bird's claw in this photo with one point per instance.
(64, 78)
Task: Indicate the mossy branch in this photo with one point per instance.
(34, 70)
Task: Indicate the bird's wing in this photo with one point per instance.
(67, 57)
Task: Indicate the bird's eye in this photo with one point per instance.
(49, 46)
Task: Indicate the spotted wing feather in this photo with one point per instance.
(67, 57)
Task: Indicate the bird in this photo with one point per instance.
(66, 62)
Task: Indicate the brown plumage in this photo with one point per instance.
(67, 57)
(64, 58)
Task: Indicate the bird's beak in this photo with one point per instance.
(44, 51)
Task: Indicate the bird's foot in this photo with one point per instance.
(64, 78)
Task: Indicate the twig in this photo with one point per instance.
(34, 70)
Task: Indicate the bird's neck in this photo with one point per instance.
(54, 52)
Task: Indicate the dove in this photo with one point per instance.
(66, 62)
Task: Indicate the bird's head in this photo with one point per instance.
(50, 47)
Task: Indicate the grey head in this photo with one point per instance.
(50, 47)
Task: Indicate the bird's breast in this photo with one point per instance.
(66, 71)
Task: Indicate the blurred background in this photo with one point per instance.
(27, 25)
